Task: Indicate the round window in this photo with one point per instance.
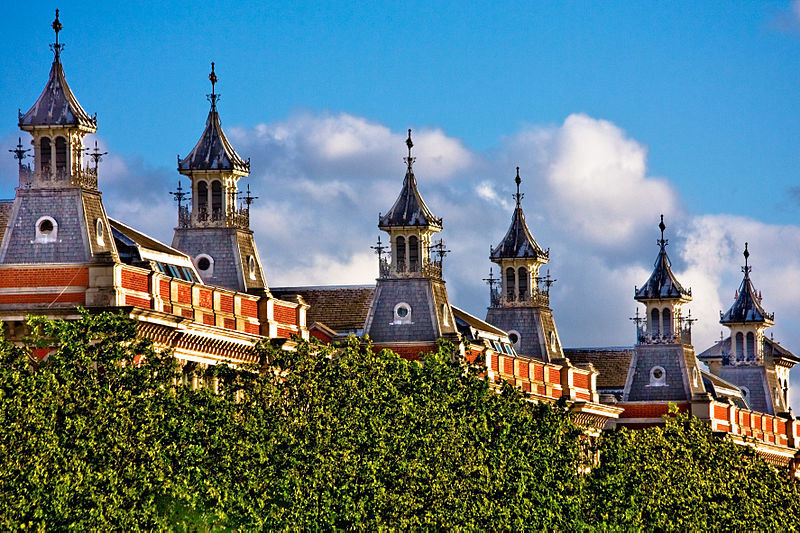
(46, 227)
(251, 263)
(658, 373)
(98, 228)
(203, 264)
(513, 337)
(402, 312)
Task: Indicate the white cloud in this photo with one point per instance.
(323, 179)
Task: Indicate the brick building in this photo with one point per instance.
(59, 249)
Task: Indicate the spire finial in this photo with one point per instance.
(19, 153)
(213, 97)
(662, 242)
(518, 196)
(409, 160)
(56, 47)
(746, 268)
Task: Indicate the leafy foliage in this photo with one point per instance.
(104, 434)
(682, 477)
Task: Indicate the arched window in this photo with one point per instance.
(61, 154)
(202, 197)
(522, 275)
(46, 230)
(413, 254)
(216, 199)
(510, 284)
(739, 346)
(400, 253)
(751, 346)
(666, 322)
(45, 154)
(654, 323)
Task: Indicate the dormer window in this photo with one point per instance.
(251, 265)
(46, 230)
(99, 232)
(205, 264)
(402, 313)
(514, 337)
(658, 377)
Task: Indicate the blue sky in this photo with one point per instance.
(616, 112)
(709, 87)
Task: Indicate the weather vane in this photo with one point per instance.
(249, 198)
(380, 249)
(519, 196)
(662, 242)
(213, 97)
(19, 153)
(179, 195)
(409, 160)
(746, 268)
(97, 155)
(56, 47)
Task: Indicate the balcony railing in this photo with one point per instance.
(539, 298)
(237, 218)
(681, 336)
(429, 269)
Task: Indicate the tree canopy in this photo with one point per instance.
(104, 433)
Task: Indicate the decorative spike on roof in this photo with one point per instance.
(518, 242)
(57, 106)
(213, 151)
(747, 307)
(662, 284)
(409, 209)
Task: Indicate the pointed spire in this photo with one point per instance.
(746, 307)
(662, 284)
(213, 97)
(746, 268)
(409, 209)
(518, 196)
(662, 242)
(409, 160)
(56, 47)
(213, 151)
(518, 241)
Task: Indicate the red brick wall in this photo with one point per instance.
(285, 315)
(495, 362)
(204, 299)
(137, 302)
(524, 371)
(251, 328)
(230, 323)
(135, 281)
(649, 410)
(226, 303)
(720, 412)
(44, 277)
(508, 366)
(580, 380)
(249, 308)
(187, 313)
(67, 297)
(184, 294)
(163, 288)
(284, 332)
(208, 319)
(538, 372)
(583, 396)
(555, 376)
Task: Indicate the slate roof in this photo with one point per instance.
(771, 349)
(409, 209)
(476, 323)
(518, 242)
(662, 285)
(611, 363)
(5, 213)
(144, 241)
(213, 151)
(340, 308)
(57, 106)
(747, 307)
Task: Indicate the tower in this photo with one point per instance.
(521, 303)
(57, 215)
(215, 228)
(663, 298)
(410, 309)
(663, 367)
(747, 358)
